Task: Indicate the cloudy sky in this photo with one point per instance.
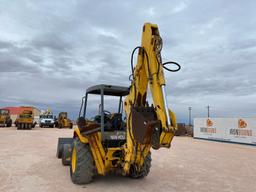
(51, 51)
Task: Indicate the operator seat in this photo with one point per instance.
(116, 121)
(112, 122)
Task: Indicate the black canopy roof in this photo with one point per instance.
(108, 90)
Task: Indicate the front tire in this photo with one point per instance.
(66, 154)
(144, 171)
(82, 167)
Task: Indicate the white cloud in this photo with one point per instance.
(181, 6)
(51, 51)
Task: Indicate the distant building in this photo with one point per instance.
(16, 111)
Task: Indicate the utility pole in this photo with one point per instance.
(208, 111)
(189, 115)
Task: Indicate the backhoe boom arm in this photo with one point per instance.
(148, 126)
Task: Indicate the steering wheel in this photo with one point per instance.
(107, 112)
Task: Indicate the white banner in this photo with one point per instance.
(240, 130)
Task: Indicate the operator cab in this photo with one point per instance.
(110, 124)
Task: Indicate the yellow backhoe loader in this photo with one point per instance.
(113, 142)
(5, 118)
(63, 121)
(25, 120)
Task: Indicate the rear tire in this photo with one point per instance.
(66, 154)
(145, 169)
(82, 167)
(9, 123)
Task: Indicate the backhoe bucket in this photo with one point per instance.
(144, 123)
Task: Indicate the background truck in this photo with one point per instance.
(114, 142)
(25, 120)
(63, 121)
(46, 119)
(5, 118)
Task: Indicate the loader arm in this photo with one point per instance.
(147, 126)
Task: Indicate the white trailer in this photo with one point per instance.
(238, 130)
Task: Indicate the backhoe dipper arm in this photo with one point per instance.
(148, 126)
